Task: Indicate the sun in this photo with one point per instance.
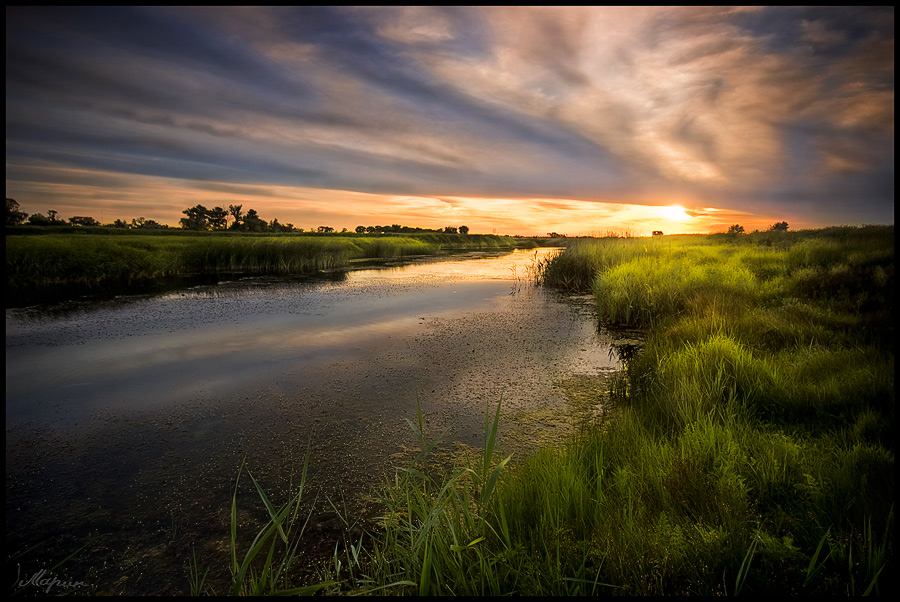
(675, 213)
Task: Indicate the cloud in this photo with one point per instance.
(757, 107)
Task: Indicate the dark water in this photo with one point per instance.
(127, 419)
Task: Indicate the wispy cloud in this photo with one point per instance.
(772, 111)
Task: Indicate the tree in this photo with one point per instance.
(463, 229)
(254, 223)
(196, 218)
(217, 218)
(324, 229)
(736, 229)
(276, 226)
(360, 229)
(141, 223)
(780, 227)
(235, 212)
(450, 230)
(80, 220)
(14, 217)
(38, 219)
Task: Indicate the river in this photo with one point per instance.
(127, 419)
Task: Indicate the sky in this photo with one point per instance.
(514, 120)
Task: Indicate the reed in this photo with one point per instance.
(41, 262)
(750, 448)
(265, 568)
(758, 418)
(436, 526)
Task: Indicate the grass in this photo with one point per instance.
(758, 424)
(434, 531)
(750, 449)
(51, 261)
(751, 446)
(266, 566)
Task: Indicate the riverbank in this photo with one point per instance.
(41, 264)
(750, 449)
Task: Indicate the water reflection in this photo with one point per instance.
(474, 265)
(150, 349)
(126, 417)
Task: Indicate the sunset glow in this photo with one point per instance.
(676, 213)
(515, 120)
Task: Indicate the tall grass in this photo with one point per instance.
(435, 532)
(758, 426)
(750, 450)
(577, 267)
(46, 261)
(265, 568)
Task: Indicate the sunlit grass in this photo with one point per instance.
(40, 262)
(759, 421)
(750, 448)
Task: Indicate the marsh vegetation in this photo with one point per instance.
(745, 447)
(40, 260)
(750, 450)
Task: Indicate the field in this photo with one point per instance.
(750, 449)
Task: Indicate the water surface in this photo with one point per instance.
(126, 420)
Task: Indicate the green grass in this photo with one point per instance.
(758, 422)
(751, 446)
(749, 450)
(95, 260)
(265, 568)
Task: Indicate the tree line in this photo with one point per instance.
(200, 218)
(739, 229)
(15, 217)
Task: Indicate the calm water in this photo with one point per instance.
(127, 420)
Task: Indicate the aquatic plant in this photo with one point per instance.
(435, 529)
(266, 566)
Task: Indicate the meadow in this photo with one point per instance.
(87, 259)
(749, 450)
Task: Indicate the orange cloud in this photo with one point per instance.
(108, 196)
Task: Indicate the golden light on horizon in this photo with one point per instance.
(675, 213)
(109, 196)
